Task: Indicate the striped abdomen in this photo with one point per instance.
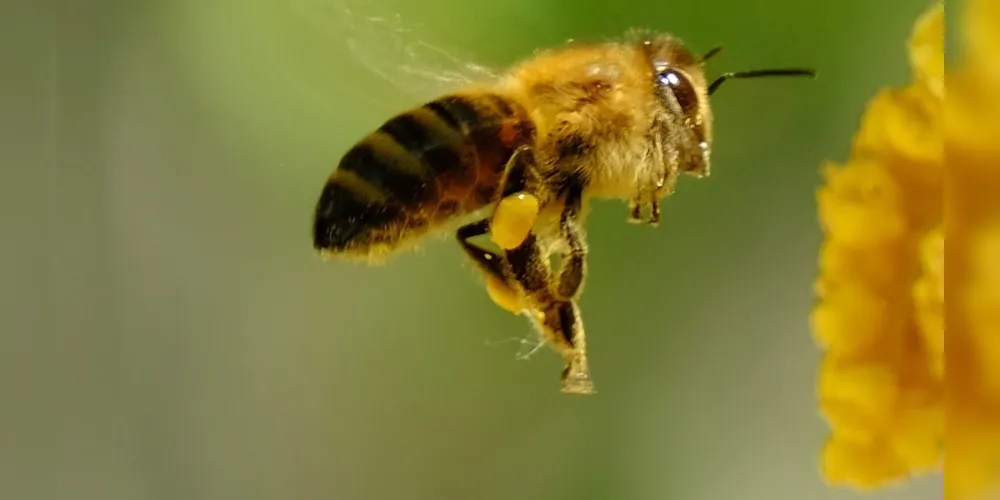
(418, 170)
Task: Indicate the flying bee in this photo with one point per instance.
(518, 158)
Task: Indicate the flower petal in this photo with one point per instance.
(927, 49)
(903, 128)
(860, 206)
(981, 29)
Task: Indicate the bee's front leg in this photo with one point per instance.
(636, 206)
(651, 195)
(664, 187)
(635, 210)
(654, 212)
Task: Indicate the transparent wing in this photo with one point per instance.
(400, 51)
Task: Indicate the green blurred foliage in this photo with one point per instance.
(184, 342)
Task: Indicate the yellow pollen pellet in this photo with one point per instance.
(503, 295)
(513, 219)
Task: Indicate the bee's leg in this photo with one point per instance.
(517, 204)
(664, 187)
(558, 320)
(519, 274)
(504, 295)
(525, 273)
(561, 320)
(574, 263)
(654, 212)
(635, 211)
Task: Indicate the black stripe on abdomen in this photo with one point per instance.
(385, 171)
(345, 218)
(398, 169)
(430, 138)
(479, 119)
(408, 132)
(458, 111)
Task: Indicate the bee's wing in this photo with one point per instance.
(398, 51)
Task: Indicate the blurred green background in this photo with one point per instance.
(172, 335)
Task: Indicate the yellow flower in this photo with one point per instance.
(880, 317)
(924, 175)
(972, 125)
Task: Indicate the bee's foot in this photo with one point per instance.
(512, 220)
(576, 378)
(635, 212)
(654, 213)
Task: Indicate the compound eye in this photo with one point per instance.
(680, 86)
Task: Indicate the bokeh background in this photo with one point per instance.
(171, 335)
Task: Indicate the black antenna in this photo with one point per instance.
(757, 73)
(708, 55)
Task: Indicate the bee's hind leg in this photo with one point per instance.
(517, 204)
(564, 320)
(520, 282)
(497, 283)
(558, 320)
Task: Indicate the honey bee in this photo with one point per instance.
(517, 159)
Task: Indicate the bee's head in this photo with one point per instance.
(680, 86)
(683, 91)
